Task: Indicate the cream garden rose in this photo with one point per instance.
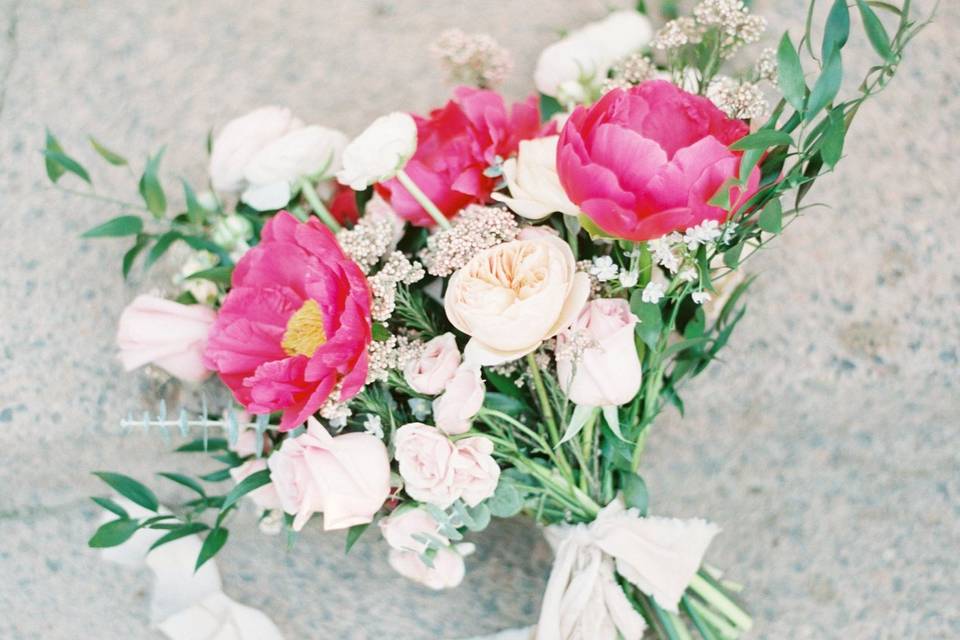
(512, 297)
(535, 189)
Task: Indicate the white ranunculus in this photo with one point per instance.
(535, 190)
(272, 172)
(379, 152)
(241, 139)
(585, 56)
(512, 297)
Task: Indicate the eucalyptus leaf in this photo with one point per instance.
(201, 445)
(506, 501)
(130, 489)
(116, 228)
(635, 493)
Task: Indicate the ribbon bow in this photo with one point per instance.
(658, 555)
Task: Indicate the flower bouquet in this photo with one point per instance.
(482, 311)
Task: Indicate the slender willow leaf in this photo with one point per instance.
(181, 531)
(112, 506)
(54, 170)
(113, 533)
(762, 139)
(185, 481)
(248, 484)
(160, 247)
(116, 228)
(837, 30)
(150, 188)
(112, 157)
(731, 257)
(216, 476)
(220, 274)
(211, 545)
(66, 163)
(832, 146)
(875, 32)
(195, 212)
(131, 255)
(790, 73)
(826, 87)
(130, 489)
(771, 218)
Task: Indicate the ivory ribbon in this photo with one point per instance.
(658, 555)
(188, 605)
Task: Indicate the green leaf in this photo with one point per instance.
(54, 170)
(549, 106)
(762, 139)
(195, 211)
(380, 332)
(731, 257)
(650, 319)
(875, 31)
(220, 274)
(112, 157)
(503, 384)
(353, 534)
(591, 227)
(504, 404)
(832, 145)
(361, 198)
(186, 481)
(163, 243)
(810, 173)
(771, 218)
(111, 506)
(201, 445)
(790, 73)
(211, 545)
(131, 255)
(113, 533)
(150, 188)
(635, 492)
(248, 484)
(217, 476)
(129, 489)
(506, 501)
(837, 30)
(826, 87)
(65, 164)
(116, 228)
(181, 531)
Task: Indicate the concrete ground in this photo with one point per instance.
(825, 445)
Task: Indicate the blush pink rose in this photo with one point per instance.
(399, 529)
(295, 324)
(609, 370)
(431, 372)
(476, 473)
(265, 497)
(461, 400)
(645, 161)
(455, 145)
(347, 478)
(426, 459)
(447, 571)
(167, 334)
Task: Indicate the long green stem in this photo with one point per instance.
(97, 196)
(548, 416)
(721, 602)
(306, 187)
(422, 199)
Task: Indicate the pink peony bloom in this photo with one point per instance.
(455, 144)
(295, 324)
(167, 334)
(644, 162)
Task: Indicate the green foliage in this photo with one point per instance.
(837, 30)
(211, 545)
(185, 481)
(635, 493)
(110, 156)
(875, 31)
(113, 533)
(650, 319)
(506, 501)
(130, 489)
(790, 74)
(826, 87)
(245, 486)
(771, 217)
(150, 188)
(549, 107)
(219, 275)
(353, 534)
(180, 531)
(116, 228)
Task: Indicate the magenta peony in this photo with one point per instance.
(643, 162)
(455, 145)
(295, 324)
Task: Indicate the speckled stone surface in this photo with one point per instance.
(825, 444)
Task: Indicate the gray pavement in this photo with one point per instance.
(825, 445)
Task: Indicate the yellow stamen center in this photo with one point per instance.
(304, 332)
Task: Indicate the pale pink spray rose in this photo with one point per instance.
(347, 477)
(461, 400)
(399, 529)
(431, 372)
(265, 497)
(608, 372)
(426, 459)
(447, 571)
(167, 334)
(476, 473)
